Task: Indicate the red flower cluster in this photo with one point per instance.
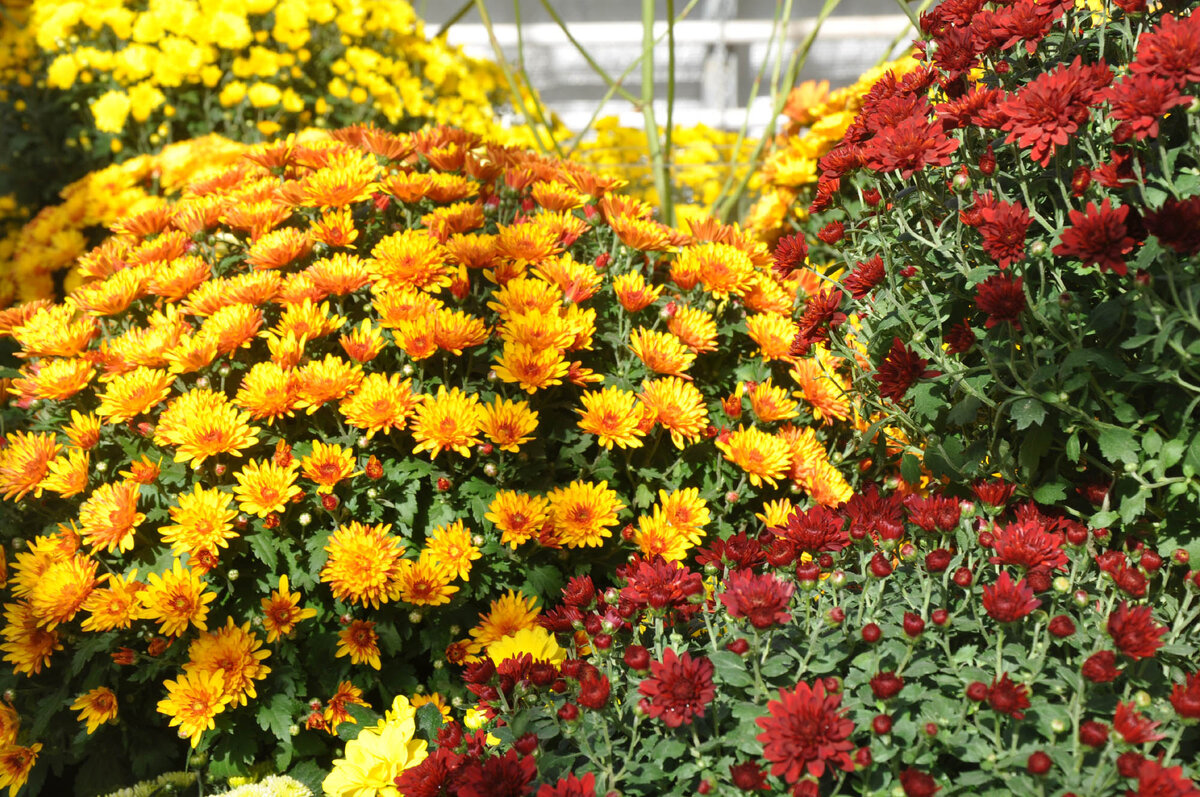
(678, 688)
(759, 597)
(804, 731)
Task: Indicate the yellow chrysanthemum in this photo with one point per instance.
(517, 515)
(264, 487)
(60, 591)
(583, 513)
(56, 380)
(773, 333)
(327, 465)
(695, 327)
(282, 612)
(451, 545)
(267, 392)
(176, 599)
(633, 293)
(425, 581)
(202, 423)
(360, 642)
(536, 641)
(192, 701)
(654, 536)
(506, 615)
(614, 416)
(363, 564)
(27, 646)
(114, 606)
(448, 421)
(203, 521)
(24, 462)
(377, 756)
(96, 707)
(409, 259)
(661, 352)
(771, 403)
(381, 403)
(67, 475)
(763, 456)
(532, 369)
(508, 424)
(331, 379)
(234, 652)
(678, 405)
(108, 517)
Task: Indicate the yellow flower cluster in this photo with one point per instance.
(817, 120)
(321, 312)
(378, 755)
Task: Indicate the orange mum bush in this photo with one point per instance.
(297, 428)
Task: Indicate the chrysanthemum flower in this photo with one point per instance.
(759, 597)
(267, 391)
(644, 235)
(633, 293)
(82, 431)
(327, 465)
(203, 521)
(16, 764)
(773, 333)
(451, 545)
(54, 332)
(282, 612)
(363, 564)
(457, 218)
(286, 351)
(67, 475)
(696, 328)
(363, 343)
(661, 352)
(1029, 544)
(678, 405)
(1007, 602)
(381, 403)
(506, 615)
(475, 252)
(27, 646)
(232, 327)
(335, 228)
(234, 652)
(1098, 235)
(192, 354)
(614, 416)
(825, 394)
(360, 642)
(583, 513)
(96, 707)
(448, 421)
(276, 249)
(56, 380)
(771, 403)
(539, 330)
(679, 688)
(109, 516)
(901, 367)
(192, 701)
(655, 536)
(60, 591)
(524, 295)
(526, 244)
(685, 510)
(417, 337)
(202, 423)
(1002, 299)
(508, 424)
(1134, 631)
(535, 642)
(331, 379)
(264, 487)
(114, 606)
(763, 456)
(518, 516)
(723, 269)
(176, 599)
(308, 320)
(337, 706)
(425, 581)
(129, 395)
(804, 731)
(409, 259)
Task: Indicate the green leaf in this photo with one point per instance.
(264, 546)
(311, 775)
(365, 717)
(1132, 507)
(1028, 412)
(1191, 460)
(1118, 444)
(543, 581)
(1050, 493)
(644, 496)
(1102, 520)
(910, 468)
(429, 722)
(925, 404)
(731, 669)
(276, 716)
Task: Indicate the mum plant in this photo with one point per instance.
(907, 645)
(1017, 218)
(358, 400)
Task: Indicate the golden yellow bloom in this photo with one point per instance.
(286, 352)
(363, 343)
(345, 181)
(60, 591)
(506, 615)
(232, 327)
(176, 599)
(234, 652)
(359, 641)
(451, 545)
(476, 252)
(633, 293)
(722, 269)
(614, 416)
(826, 395)
(111, 295)
(377, 756)
(773, 333)
(278, 248)
(531, 368)
(203, 521)
(583, 513)
(455, 330)
(775, 513)
(16, 763)
(82, 431)
(417, 337)
(695, 327)
(282, 612)
(331, 379)
(447, 421)
(685, 509)
(115, 605)
(771, 403)
(192, 354)
(336, 708)
(508, 424)
(202, 423)
(381, 403)
(408, 187)
(577, 281)
(24, 462)
(192, 701)
(67, 475)
(526, 244)
(267, 392)
(425, 581)
(327, 465)
(339, 275)
(110, 111)
(763, 456)
(524, 295)
(517, 515)
(54, 331)
(142, 471)
(264, 487)
(363, 564)
(56, 379)
(539, 643)
(27, 646)
(96, 707)
(109, 516)
(131, 394)
(661, 352)
(656, 537)
(308, 320)
(409, 259)
(553, 195)
(644, 235)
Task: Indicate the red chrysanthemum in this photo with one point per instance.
(933, 512)
(1139, 102)
(508, 775)
(814, 530)
(1026, 21)
(820, 315)
(1101, 667)
(790, 255)
(1008, 698)
(866, 275)
(899, 370)
(1002, 298)
(1134, 631)
(1098, 235)
(738, 551)
(995, 492)
(805, 730)
(1155, 780)
(748, 776)
(962, 111)
(570, 786)
(1048, 111)
(1185, 697)
(918, 784)
(678, 689)
(882, 517)
(594, 689)
(832, 232)
(658, 584)
(1177, 225)
(1028, 544)
(1135, 727)
(759, 597)
(1171, 50)
(959, 338)
(433, 777)
(1003, 227)
(909, 146)
(1006, 602)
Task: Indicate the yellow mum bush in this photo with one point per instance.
(348, 408)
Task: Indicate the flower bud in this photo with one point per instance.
(962, 577)
(940, 617)
(490, 470)
(731, 497)
(880, 566)
(961, 182)
(637, 658)
(1058, 725)
(937, 560)
(977, 691)
(1038, 764)
(1142, 698)
(1037, 248)
(862, 757)
(913, 625)
(881, 724)
(1151, 561)
(602, 641)
(738, 647)
(443, 484)
(304, 519)
(569, 712)
(836, 615)
(1080, 598)
(837, 578)
(871, 633)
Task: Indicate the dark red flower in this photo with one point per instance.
(879, 516)
(1171, 50)
(1003, 229)
(864, 278)
(679, 687)
(1038, 763)
(659, 584)
(508, 775)
(959, 337)
(820, 315)
(435, 776)
(1134, 631)
(832, 232)
(827, 188)
(579, 592)
(760, 597)
(871, 633)
(886, 685)
(739, 551)
(881, 724)
(804, 731)
(1046, 113)
(749, 776)
(1117, 170)
(1134, 727)
(962, 111)
(909, 146)
(739, 646)
(814, 530)
(570, 786)
(1002, 298)
(594, 689)
(1185, 697)
(993, 492)
(1062, 626)
(1006, 602)
(1140, 101)
(1177, 225)
(637, 658)
(1129, 762)
(1008, 698)
(790, 255)
(899, 370)
(977, 691)
(879, 566)
(1101, 667)
(918, 784)
(937, 560)
(1093, 734)
(934, 512)
(1028, 544)
(1025, 21)
(1155, 780)
(1098, 235)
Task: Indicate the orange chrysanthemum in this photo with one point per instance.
(825, 394)
(409, 259)
(451, 545)
(773, 333)
(577, 281)
(203, 521)
(277, 249)
(308, 320)
(425, 581)
(508, 424)
(96, 707)
(202, 423)
(721, 268)
(192, 701)
(360, 642)
(267, 392)
(661, 352)
(633, 293)
(24, 462)
(614, 416)
(232, 327)
(56, 379)
(27, 646)
(60, 591)
(331, 379)
(448, 421)
(339, 274)
(583, 513)
(532, 369)
(771, 403)
(517, 515)
(282, 612)
(381, 403)
(264, 487)
(337, 707)
(454, 330)
(234, 652)
(363, 564)
(327, 465)
(131, 394)
(67, 475)
(506, 615)
(109, 516)
(524, 295)
(176, 599)
(83, 431)
(363, 343)
(114, 606)
(695, 327)
(763, 456)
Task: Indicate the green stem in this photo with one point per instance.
(653, 143)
